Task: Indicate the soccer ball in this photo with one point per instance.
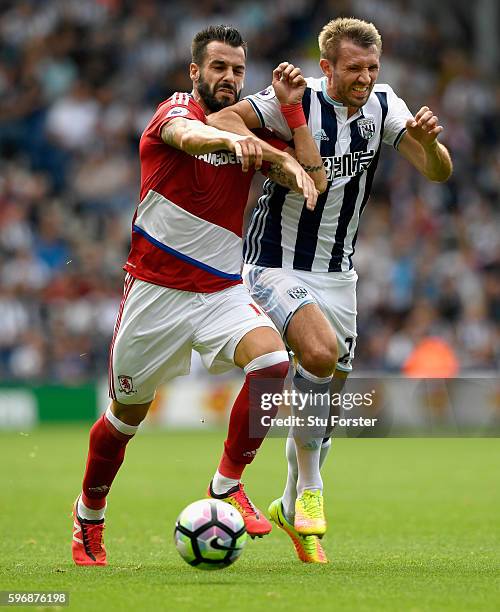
(210, 534)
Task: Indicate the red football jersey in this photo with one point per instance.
(187, 229)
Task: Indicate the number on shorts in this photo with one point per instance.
(347, 356)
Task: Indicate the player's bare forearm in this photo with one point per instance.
(194, 137)
(309, 158)
(278, 174)
(432, 160)
(230, 120)
(421, 148)
(289, 173)
(197, 138)
(238, 119)
(438, 166)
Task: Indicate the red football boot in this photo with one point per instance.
(256, 523)
(87, 546)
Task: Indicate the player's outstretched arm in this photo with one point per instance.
(284, 169)
(239, 118)
(289, 86)
(197, 138)
(421, 147)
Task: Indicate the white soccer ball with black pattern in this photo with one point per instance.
(210, 534)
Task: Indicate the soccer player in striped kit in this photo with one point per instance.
(183, 288)
(299, 263)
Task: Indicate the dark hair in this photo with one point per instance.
(222, 33)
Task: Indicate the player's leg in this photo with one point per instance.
(238, 333)
(307, 547)
(336, 296)
(336, 386)
(290, 494)
(133, 378)
(261, 355)
(281, 294)
(313, 341)
(108, 439)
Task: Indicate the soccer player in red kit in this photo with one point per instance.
(183, 287)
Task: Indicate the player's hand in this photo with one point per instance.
(288, 83)
(305, 184)
(424, 127)
(248, 152)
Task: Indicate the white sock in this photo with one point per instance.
(290, 493)
(124, 428)
(308, 453)
(89, 514)
(221, 484)
(307, 446)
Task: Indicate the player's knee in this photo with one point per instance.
(321, 359)
(256, 344)
(270, 365)
(130, 414)
(267, 375)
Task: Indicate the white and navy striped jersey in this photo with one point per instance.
(282, 232)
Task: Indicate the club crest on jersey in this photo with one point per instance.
(366, 128)
(297, 293)
(126, 384)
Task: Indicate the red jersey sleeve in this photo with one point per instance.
(158, 160)
(178, 105)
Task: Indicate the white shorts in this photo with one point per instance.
(157, 328)
(281, 292)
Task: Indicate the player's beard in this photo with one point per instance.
(208, 95)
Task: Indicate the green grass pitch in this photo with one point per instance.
(413, 525)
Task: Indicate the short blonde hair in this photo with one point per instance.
(360, 32)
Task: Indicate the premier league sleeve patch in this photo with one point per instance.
(177, 111)
(266, 94)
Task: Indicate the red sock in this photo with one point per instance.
(106, 454)
(239, 448)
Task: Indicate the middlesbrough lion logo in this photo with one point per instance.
(126, 384)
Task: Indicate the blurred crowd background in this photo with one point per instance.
(79, 80)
